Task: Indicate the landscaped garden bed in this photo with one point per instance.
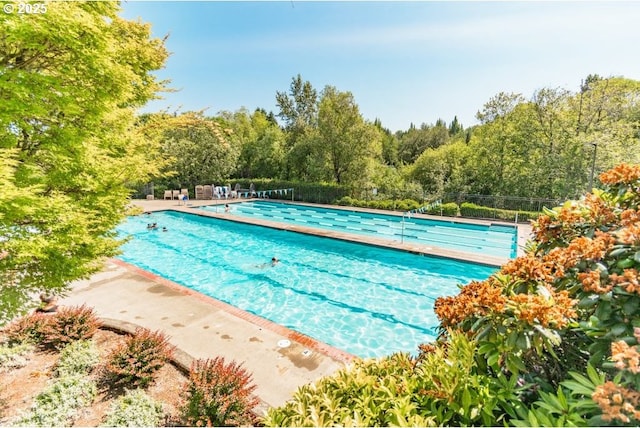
(63, 369)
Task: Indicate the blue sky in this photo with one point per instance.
(404, 62)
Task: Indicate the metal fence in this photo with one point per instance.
(515, 203)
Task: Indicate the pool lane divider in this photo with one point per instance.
(304, 340)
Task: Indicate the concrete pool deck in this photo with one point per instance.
(203, 327)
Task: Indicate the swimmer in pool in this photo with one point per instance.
(274, 261)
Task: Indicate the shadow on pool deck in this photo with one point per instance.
(205, 328)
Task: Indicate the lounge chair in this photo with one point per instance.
(199, 192)
(207, 191)
(217, 192)
(168, 194)
(175, 194)
(252, 190)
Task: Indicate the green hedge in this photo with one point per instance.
(448, 209)
(477, 211)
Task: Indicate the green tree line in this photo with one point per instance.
(550, 145)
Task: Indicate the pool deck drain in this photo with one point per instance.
(204, 327)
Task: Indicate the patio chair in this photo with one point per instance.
(207, 191)
(252, 190)
(217, 192)
(175, 194)
(168, 194)
(199, 192)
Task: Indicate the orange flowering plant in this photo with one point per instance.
(569, 299)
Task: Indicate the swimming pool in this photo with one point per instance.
(493, 240)
(365, 300)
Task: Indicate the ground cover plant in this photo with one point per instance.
(552, 339)
(114, 380)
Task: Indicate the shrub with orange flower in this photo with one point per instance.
(591, 282)
(528, 268)
(476, 299)
(629, 280)
(630, 234)
(554, 310)
(621, 174)
(629, 217)
(617, 403)
(625, 357)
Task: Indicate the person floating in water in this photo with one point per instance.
(164, 229)
(152, 226)
(274, 261)
(227, 208)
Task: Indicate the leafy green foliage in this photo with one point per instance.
(78, 357)
(219, 394)
(199, 148)
(456, 391)
(14, 355)
(367, 393)
(59, 403)
(137, 360)
(350, 146)
(134, 409)
(71, 81)
(570, 405)
(472, 210)
(442, 387)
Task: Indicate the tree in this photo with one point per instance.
(389, 145)
(455, 128)
(298, 108)
(496, 144)
(263, 155)
(349, 144)
(443, 170)
(199, 148)
(415, 141)
(70, 81)
(299, 111)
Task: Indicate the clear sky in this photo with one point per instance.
(404, 62)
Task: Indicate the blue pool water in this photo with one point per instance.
(362, 299)
(493, 240)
